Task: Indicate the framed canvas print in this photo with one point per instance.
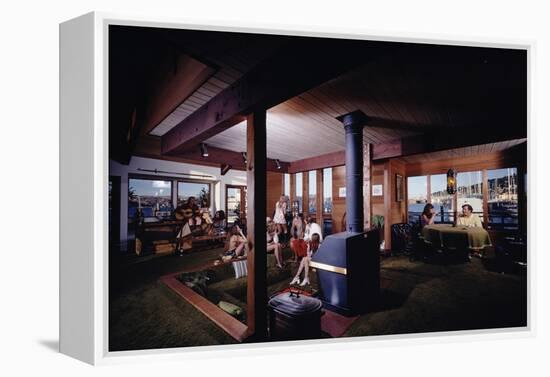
(220, 175)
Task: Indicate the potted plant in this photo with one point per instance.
(378, 223)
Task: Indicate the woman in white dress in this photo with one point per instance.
(280, 219)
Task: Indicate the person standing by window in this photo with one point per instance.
(279, 218)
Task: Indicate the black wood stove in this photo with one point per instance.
(348, 263)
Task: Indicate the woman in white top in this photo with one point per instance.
(312, 228)
(279, 219)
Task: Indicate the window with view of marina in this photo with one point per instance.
(312, 186)
(147, 198)
(287, 185)
(470, 191)
(503, 198)
(200, 191)
(150, 196)
(327, 190)
(417, 194)
(299, 191)
(442, 201)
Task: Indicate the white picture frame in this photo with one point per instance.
(377, 190)
(83, 179)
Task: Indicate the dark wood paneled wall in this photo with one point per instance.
(275, 189)
(338, 204)
(399, 209)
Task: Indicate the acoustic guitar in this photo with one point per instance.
(183, 213)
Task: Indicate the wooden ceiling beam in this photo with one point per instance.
(150, 148)
(301, 64)
(434, 142)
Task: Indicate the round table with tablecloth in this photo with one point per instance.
(456, 237)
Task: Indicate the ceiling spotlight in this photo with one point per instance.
(204, 150)
(225, 168)
(278, 163)
(244, 157)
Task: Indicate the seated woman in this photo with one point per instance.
(238, 245)
(297, 243)
(273, 242)
(428, 215)
(311, 228)
(468, 218)
(312, 247)
(219, 221)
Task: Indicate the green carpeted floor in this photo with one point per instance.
(415, 297)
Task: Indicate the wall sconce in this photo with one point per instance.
(204, 150)
(278, 163)
(244, 157)
(451, 181)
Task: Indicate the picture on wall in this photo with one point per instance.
(236, 187)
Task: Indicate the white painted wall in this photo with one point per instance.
(233, 177)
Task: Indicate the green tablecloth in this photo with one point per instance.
(447, 236)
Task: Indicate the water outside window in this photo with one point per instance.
(151, 196)
(312, 185)
(503, 198)
(417, 193)
(299, 191)
(327, 190)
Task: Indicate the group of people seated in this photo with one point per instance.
(467, 218)
(199, 219)
(305, 239)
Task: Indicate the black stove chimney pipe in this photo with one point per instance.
(353, 124)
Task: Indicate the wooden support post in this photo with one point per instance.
(485, 192)
(256, 179)
(367, 179)
(429, 188)
(292, 196)
(456, 211)
(319, 197)
(387, 205)
(522, 199)
(305, 193)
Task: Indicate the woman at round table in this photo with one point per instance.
(468, 218)
(428, 215)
